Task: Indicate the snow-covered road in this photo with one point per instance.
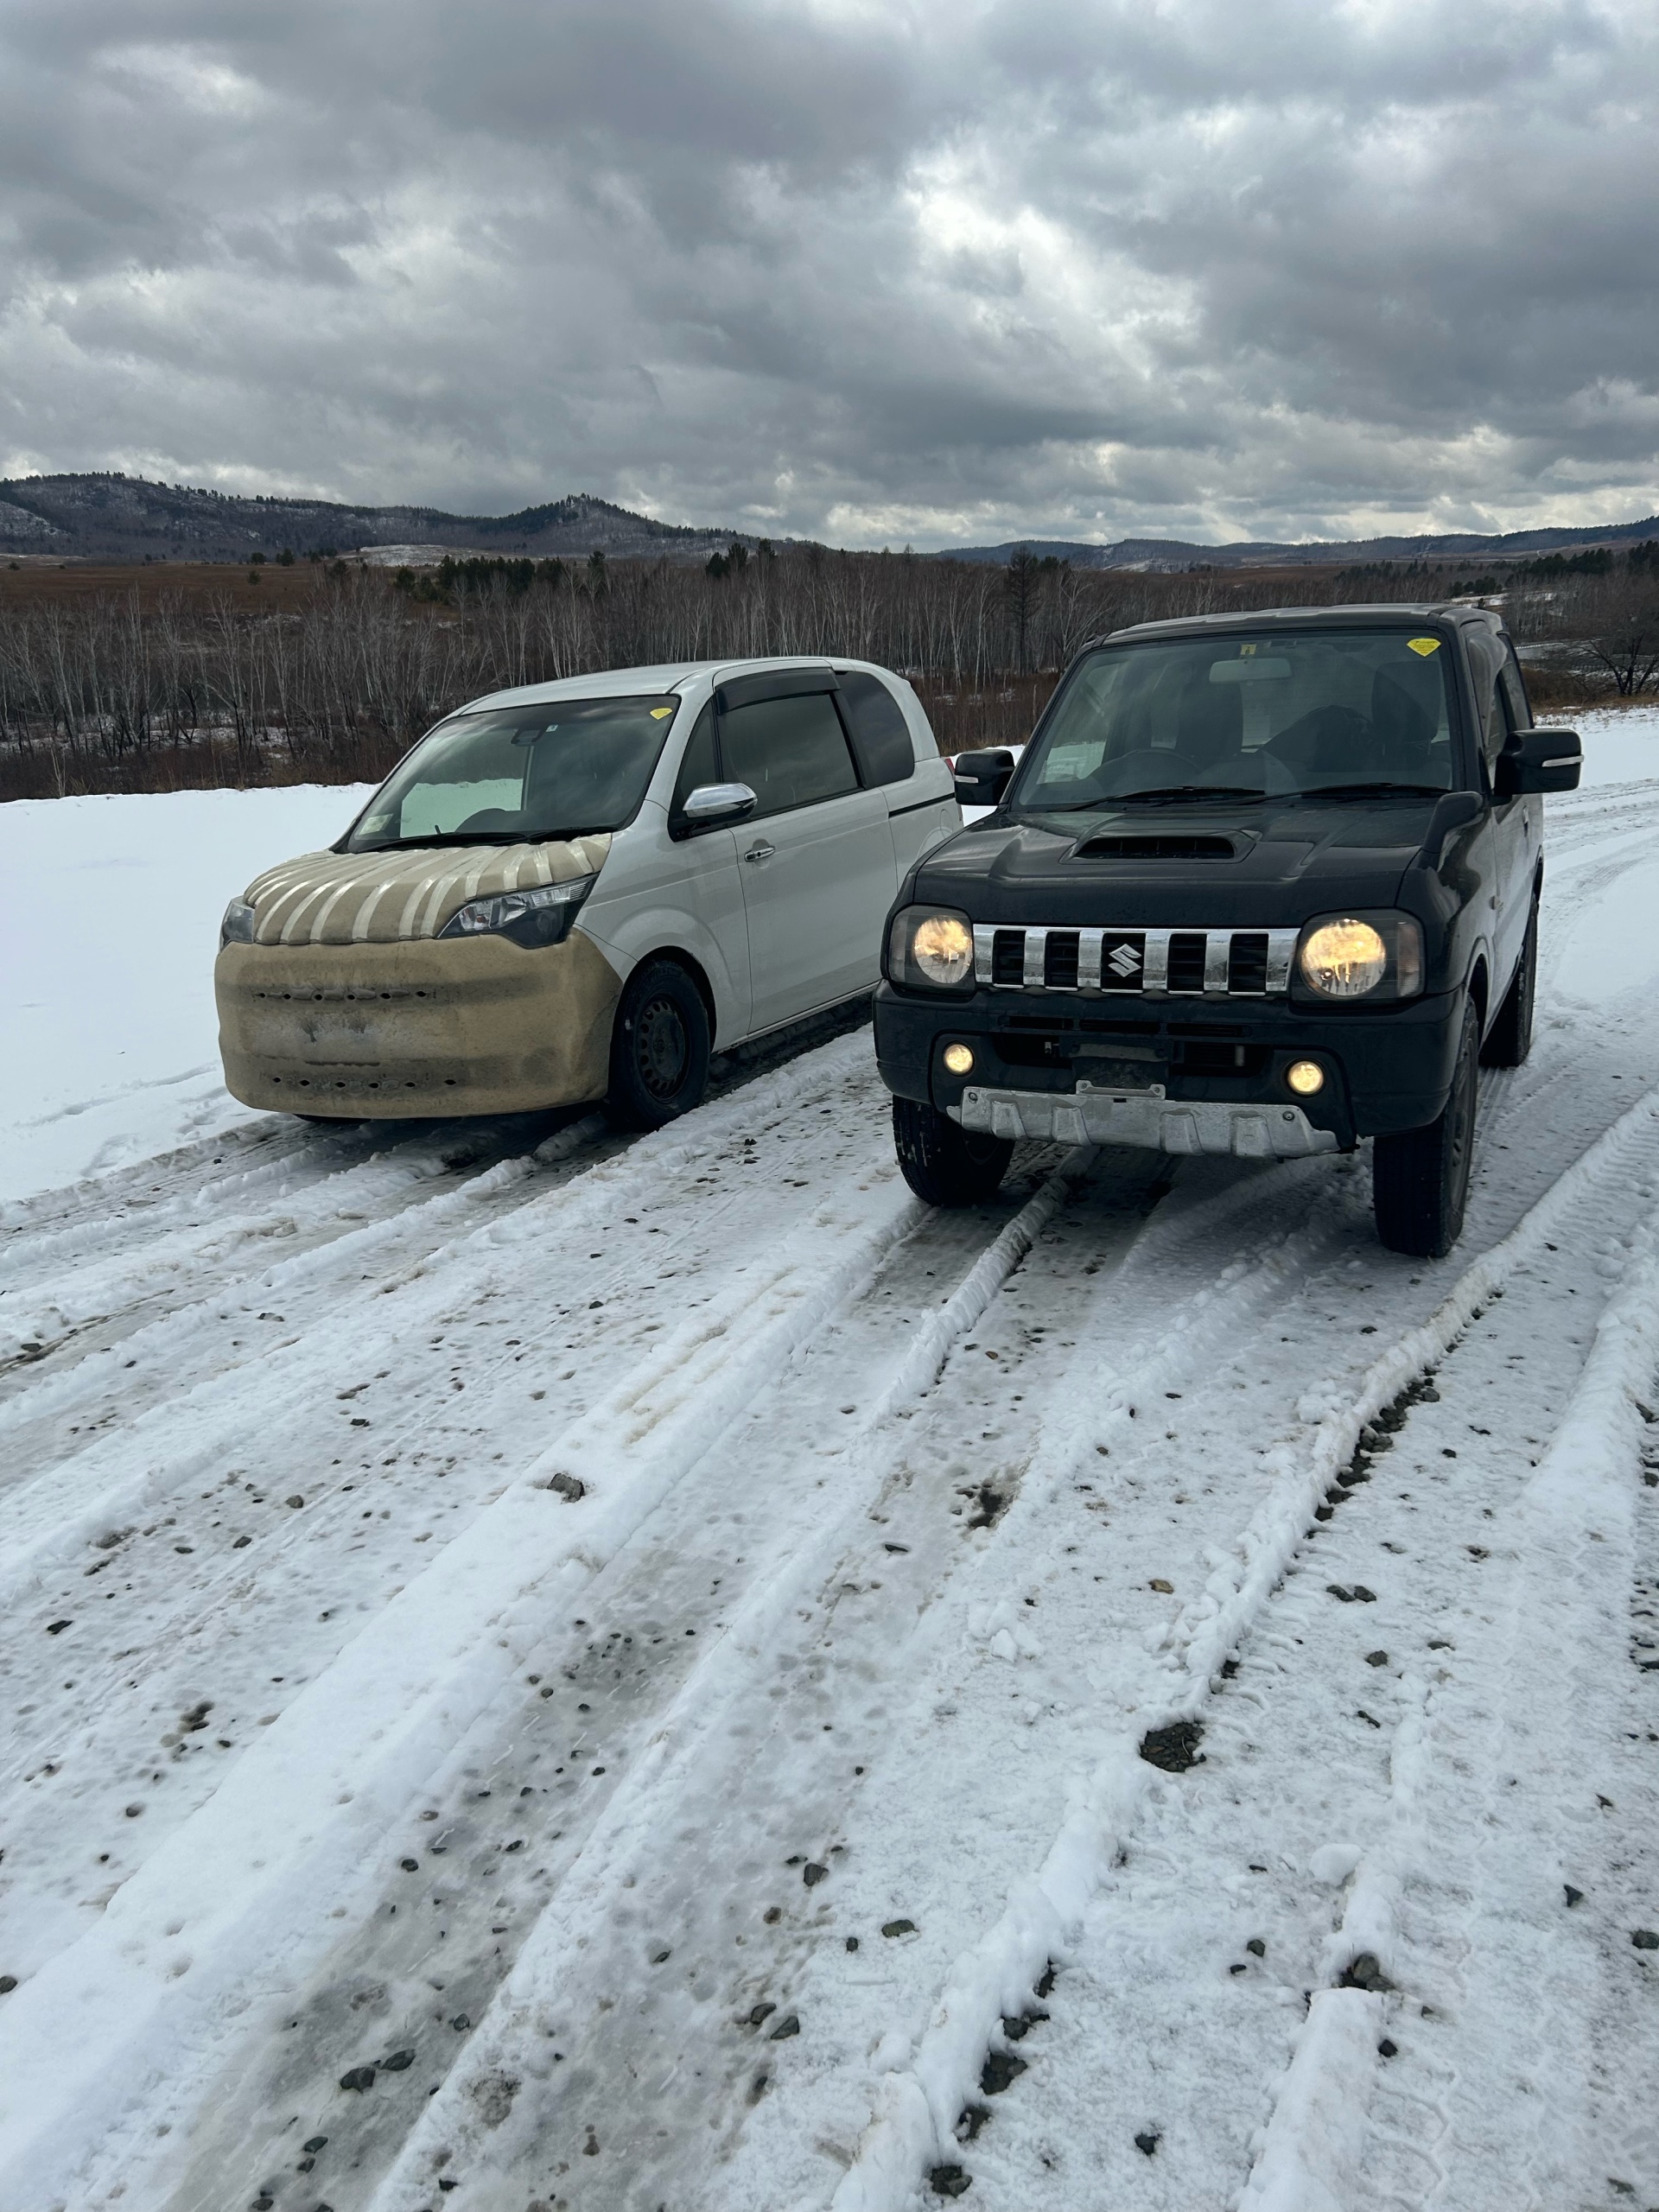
(658, 1674)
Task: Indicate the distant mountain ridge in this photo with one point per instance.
(1173, 554)
(115, 518)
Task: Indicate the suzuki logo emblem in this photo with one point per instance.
(1123, 961)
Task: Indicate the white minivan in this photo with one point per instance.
(580, 890)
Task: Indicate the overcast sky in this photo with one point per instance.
(922, 270)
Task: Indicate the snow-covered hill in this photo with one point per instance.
(657, 1673)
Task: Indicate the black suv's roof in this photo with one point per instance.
(1390, 613)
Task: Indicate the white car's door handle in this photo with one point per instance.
(760, 852)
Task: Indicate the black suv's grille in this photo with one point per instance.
(1155, 963)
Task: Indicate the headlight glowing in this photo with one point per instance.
(931, 947)
(1343, 960)
(1305, 1078)
(542, 915)
(943, 948)
(958, 1059)
(239, 925)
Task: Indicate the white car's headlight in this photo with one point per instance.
(931, 948)
(542, 915)
(239, 923)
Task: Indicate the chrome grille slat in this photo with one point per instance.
(1134, 962)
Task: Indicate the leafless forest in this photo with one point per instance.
(166, 689)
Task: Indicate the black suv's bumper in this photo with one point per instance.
(1386, 1070)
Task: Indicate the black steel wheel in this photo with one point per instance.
(943, 1163)
(659, 1048)
(1420, 1179)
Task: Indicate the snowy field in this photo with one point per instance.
(688, 1747)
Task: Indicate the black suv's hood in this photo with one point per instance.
(1271, 866)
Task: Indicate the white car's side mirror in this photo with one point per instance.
(712, 805)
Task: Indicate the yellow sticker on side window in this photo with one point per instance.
(658, 714)
(1424, 645)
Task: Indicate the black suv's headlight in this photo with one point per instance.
(542, 915)
(1343, 958)
(931, 949)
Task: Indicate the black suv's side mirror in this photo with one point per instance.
(1538, 760)
(713, 806)
(981, 778)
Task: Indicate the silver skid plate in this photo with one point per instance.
(1145, 1119)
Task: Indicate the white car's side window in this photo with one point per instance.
(791, 752)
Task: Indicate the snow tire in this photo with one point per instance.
(659, 1048)
(1509, 1039)
(943, 1164)
(1420, 1179)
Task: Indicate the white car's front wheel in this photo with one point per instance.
(659, 1048)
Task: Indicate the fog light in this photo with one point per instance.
(1305, 1078)
(958, 1059)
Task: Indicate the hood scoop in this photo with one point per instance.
(1155, 845)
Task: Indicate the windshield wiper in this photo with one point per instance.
(1159, 797)
(475, 837)
(1163, 792)
(1377, 789)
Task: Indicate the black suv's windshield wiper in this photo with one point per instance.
(1163, 792)
(1381, 788)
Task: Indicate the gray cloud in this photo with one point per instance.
(871, 273)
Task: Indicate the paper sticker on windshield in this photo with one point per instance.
(1424, 645)
(1245, 652)
(658, 713)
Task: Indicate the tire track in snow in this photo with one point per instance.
(1560, 1653)
(687, 1698)
(917, 2108)
(577, 1955)
(520, 1544)
(185, 1623)
(52, 1515)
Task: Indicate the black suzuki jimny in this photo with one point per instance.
(1262, 884)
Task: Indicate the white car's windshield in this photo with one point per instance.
(1277, 715)
(510, 775)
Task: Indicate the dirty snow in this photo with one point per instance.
(640, 1658)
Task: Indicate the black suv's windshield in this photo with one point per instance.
(512, 775)
(1277, 715)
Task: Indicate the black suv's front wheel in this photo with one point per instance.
(1420, 1179)
(945, 1164)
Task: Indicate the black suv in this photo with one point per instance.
(1262, 884)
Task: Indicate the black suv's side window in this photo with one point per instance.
(1513, 684)
(791, 752)
(880, 733)
(1487, 666)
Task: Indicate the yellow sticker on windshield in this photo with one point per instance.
(1244, 651)
(657, 713)
(1424, 645)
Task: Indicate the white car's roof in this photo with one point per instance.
(670, 676)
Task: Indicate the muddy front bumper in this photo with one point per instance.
(1145, 1119)
(422, 1027)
